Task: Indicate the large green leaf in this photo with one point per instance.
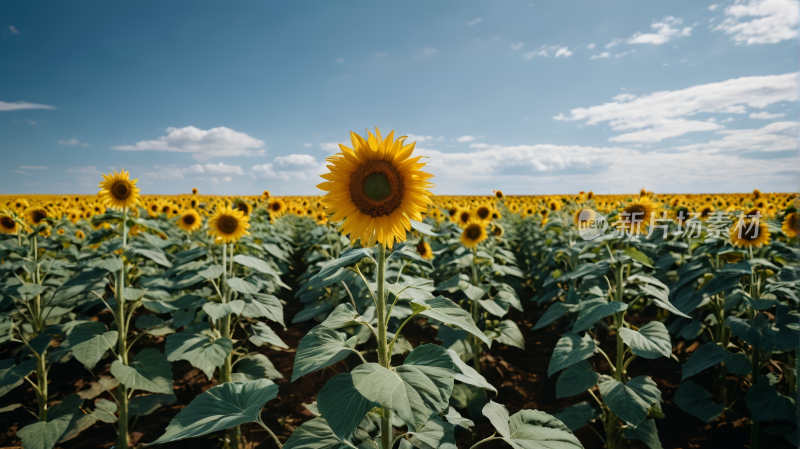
(253, 367)
(707, 356)
(319, 348)
(220, 407)
(350, 257)
(555, 311)
(197, 345)
(156, 256)
(435, 434)
(467, 374)
(92, 279)
(342, 406)
(570, 349)
(150, 371)
(651, 341)
(343, 316)
(43, 435)
(576, 379)
(218, 310)
(623, 401)
(315, 434)
(12, 375)
(594, 310)
(530, 429)
(260, 333)
(578, 415)
(260, 266)
(411, 391)
(242, 286)
(766, 404)
(449, 313)
(507, 333)
(262, 305)
(695, 400)
(89, 341)
(645, 432)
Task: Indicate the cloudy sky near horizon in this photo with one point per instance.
(531, 97)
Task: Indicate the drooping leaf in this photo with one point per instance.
(576, 379)
(242, 286)
(262, 305)
(156, 256)
(261, 333)
(623, 401)
(508, 333)
(89, 341)
(197, 345)
(645, 432)
(350, 257)
(594, 310)
(319, 348)
(220, 407)
(555, 311)
(651, 341)
(342, 406)
(449, 313)
(707, 356)
(217, 310)
(12, 375)
(150, 371)
(766, 403)
(104, 410)
(343, 316)
(146, 404)
(467, 374)
(253, 367)
(570, 349)
(435, 434)
(695, 400)
(530, 429)
(578, 415)
(315, 434)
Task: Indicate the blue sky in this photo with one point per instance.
(528, 97)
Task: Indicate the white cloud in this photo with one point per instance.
(32, 167)
(778, 136)
(761, 21)
(72, 142)
(713, 7)
(20, 172)
(13, 29)
(474, 22)
(18, 105)
(563, 51)
(517, 46)
(416, 138)
(463, 139)
(175, 172)
(294, 167)
(202, 144)
(661, 115)
(590, 46)
(429, 52)
(614, 42)
(331, 147)
(664, 32)
(623, 97)
(765, 115)
(604, 54)
(306, 144)
(619, 55)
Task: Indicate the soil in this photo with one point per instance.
(520, 377)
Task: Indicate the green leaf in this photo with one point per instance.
(739, 364)
(260, 266)
(156, 256)
(623, 401)
(89, 341)
(411, 391)
(343, 316)
(217, 310)
(260, 333)
(594, 310)
(530, 429)
(766, 404)
(651, 341)
(350, 257)
(105, 411)
(212, 272)
(41, 343)
(242, 286)
(342, 405)
(262, 305)
(146, 404)
(508, 333)
(449, 313)
(647, 390)
(319, 348)
(435, 434)
(570, 349)
(467, 374)
(150, 371)
(253, 367)
(638, 256)
(707, 356)
(86, 280)
(453, 417)
(220, 407)
(576, 379)
(315, 434)
(757, 304)
(661, 298)
(423, 228)
(197, 345)
(555, 311)
(44, 435)
(646, 432)
(578, 415)
(695, 400)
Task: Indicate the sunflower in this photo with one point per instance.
(637, 215)
(472, 235)
(8, 225)
(554, 205)
(376, 188)
(74, 215)
(464, 217)
(590, 195)
(321, 218)
(194, 190)
(498, 193)
(791, 225)
(483, 213)
(153, 209)
(265, 194)
(193, 202)
(35, 215)
(190, 221)
(424, 250)
(706, 211)
(756, 194)
(583, 217)
(118, 191)
(750, 233)
(681, 213)
(497, 230)
(228, 225)
(80, 235)
(21, 204)
(243, 206)
(276, 207)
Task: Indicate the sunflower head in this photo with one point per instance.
(8, 225)
(228, 225)
(498, 193)
(80, 235)
(194, 190)
(243, 206)
(190, 221)
(497, 230)
(637, 215)
(483, 213)
(36, 215)
(583, 217)
(118, 191)
(424, 250)
(749, 234)
(473, 234)
(705, 212)
(265, 195)
(321, 218)
(376, 188)
(791, 225)
(464, 217)
(276, 207)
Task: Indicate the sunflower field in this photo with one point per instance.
(381, 316)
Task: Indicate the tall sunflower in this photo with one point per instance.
(473, 234)
(749, 234)
(424, 250)
(498, 193)
(276, 207)
(118, 191)
(376, 188)
(228, 225)
(190, 221)
(483, 213)
(464, 217)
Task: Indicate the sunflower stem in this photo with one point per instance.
(122, 352)
(383, 356)
(476, 343)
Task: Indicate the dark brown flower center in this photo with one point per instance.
(165, 209)
(121, 190)
(422, 250)
(189, 219)
(636, 213)
(7, 222)
(473, 231)
(38, 216)
(228, 224)
(483, 212)
(749, 231)
(243, 207)
(376, 188)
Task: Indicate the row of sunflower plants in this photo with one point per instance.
(732, 295)
(132, 280)
(367, 295)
